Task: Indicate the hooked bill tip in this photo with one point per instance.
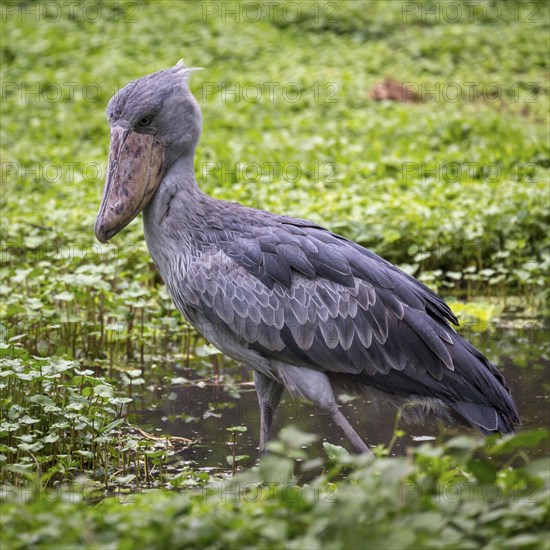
(100, 233)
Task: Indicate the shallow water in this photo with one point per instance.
(207, 411)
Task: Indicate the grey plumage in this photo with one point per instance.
(307, 309)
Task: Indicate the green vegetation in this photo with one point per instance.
(452, 185)
(451, 496)
(59, 422)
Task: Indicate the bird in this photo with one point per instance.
(308, 310)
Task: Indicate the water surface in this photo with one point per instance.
(205, 410)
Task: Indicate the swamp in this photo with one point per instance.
(416, 129)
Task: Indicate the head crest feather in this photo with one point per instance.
(184, 70)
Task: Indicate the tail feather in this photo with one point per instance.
(486, 419)
(474, 392)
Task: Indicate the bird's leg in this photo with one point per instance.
(346, 427)
(269, 394)
(315, 386)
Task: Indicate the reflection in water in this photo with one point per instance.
(205, 412)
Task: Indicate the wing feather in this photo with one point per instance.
(300, 294)
(291, 291)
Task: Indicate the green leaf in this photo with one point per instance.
(484, 471)
(238, 458)
(335, 452)
(103, 391)
(64, 296)
(528, 439)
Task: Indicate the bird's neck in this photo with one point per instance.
(176, 213)
(177, 196)
(180, 178)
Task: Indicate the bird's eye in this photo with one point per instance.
(144, 121)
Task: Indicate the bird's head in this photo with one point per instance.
(154, 120)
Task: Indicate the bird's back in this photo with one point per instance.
(290, 291)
